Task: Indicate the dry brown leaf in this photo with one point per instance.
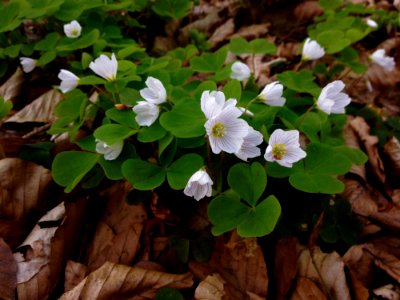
(385, 261)
(37, 245)
(74, 273)
(118, 232)
(285, 266)
(306, 289)
(388, 291)
(23, 185)
(360, 264)
(381, 79)
(370, 143)
(288, 50)
(211, 288)
(252, 31)
(222, 32)
(113, 281)
(326, 269)
(10, 89)
(392, 149)
(40, 110)
(360, 292)
(307, 11)
(359, 198)
(63, 244)
(240, 262)
(8, 272)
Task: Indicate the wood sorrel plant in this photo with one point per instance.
(150, 121)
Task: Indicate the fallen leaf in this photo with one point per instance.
(307, 11)
(388, 291)
(113, 281)
(23, 186)
(370, 143)
(252, 31)
(239, 262)
(74, 273)
(118, 232)
(285, 266)
(392, 149)
(385, 261)
(359, 198)
(325, 269)
(8, 272)
(359, 291)
(211, 288)
(222, 32)
(306, 289)
(11, 88)
(40, 110)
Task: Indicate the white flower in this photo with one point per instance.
(212, 103)
(226, 131)
(312, 50)
(146, 113)
(110, 152)
(284, 148)
(371, 23)
(331, 100)
(272, 94)
(28, 64)
(69, 80)
(155, 92)
(240, 71)
(249, 147)
(73, 29)
(105, 67)
(199, 185)
(246, 112)
(379, 57)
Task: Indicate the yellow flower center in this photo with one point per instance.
(218, 130)
(278, 151)
(74, 32)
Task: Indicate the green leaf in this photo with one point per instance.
(81, 43)
(233, 90)
(48, 43)
(152, 133)
(127, 51)
(300, 81)
(261, 220)
(181, 247)
(143, 175)
(316, 183)
(46, 58)
(257, 46)
(123, 117)
(70, 167)
(86, 59)
(168, 293)
(310, 124)
(5, 107)
(248, 181)
(91, 80)
(355, 155)
(182, 169)
(176, 9)
(113, 168)
(185, 120)
(112, 133)
(209, 62)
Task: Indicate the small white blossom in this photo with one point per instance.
(240, 71)
(69, 80)
(272, 94)
(246, 112)
(155, 92)
(110, 152)
(331, 100)
(73, 29)
(212, 103)
(371, 23)
(105, 67)
(249, 147)
(284, 148)
(312, 50)
(226, 131)
(28, 64)
(146, 113)
(380, 58)
(199, 185)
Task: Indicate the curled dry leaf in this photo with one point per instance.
(37, 245)
(285, 266)
(240, 263)
(63, 244)
(370, 143)
(361, 264)
(306, 289)
(113, 281)
(74, 273)
(211, 288)
(392, 149)
(325, 269)
(252, 31)
(385, 261)
(10, 89)
(40, 110)
(307, 11)
(8, 272)
(118, 232)
(23, 185)
(222, 32)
